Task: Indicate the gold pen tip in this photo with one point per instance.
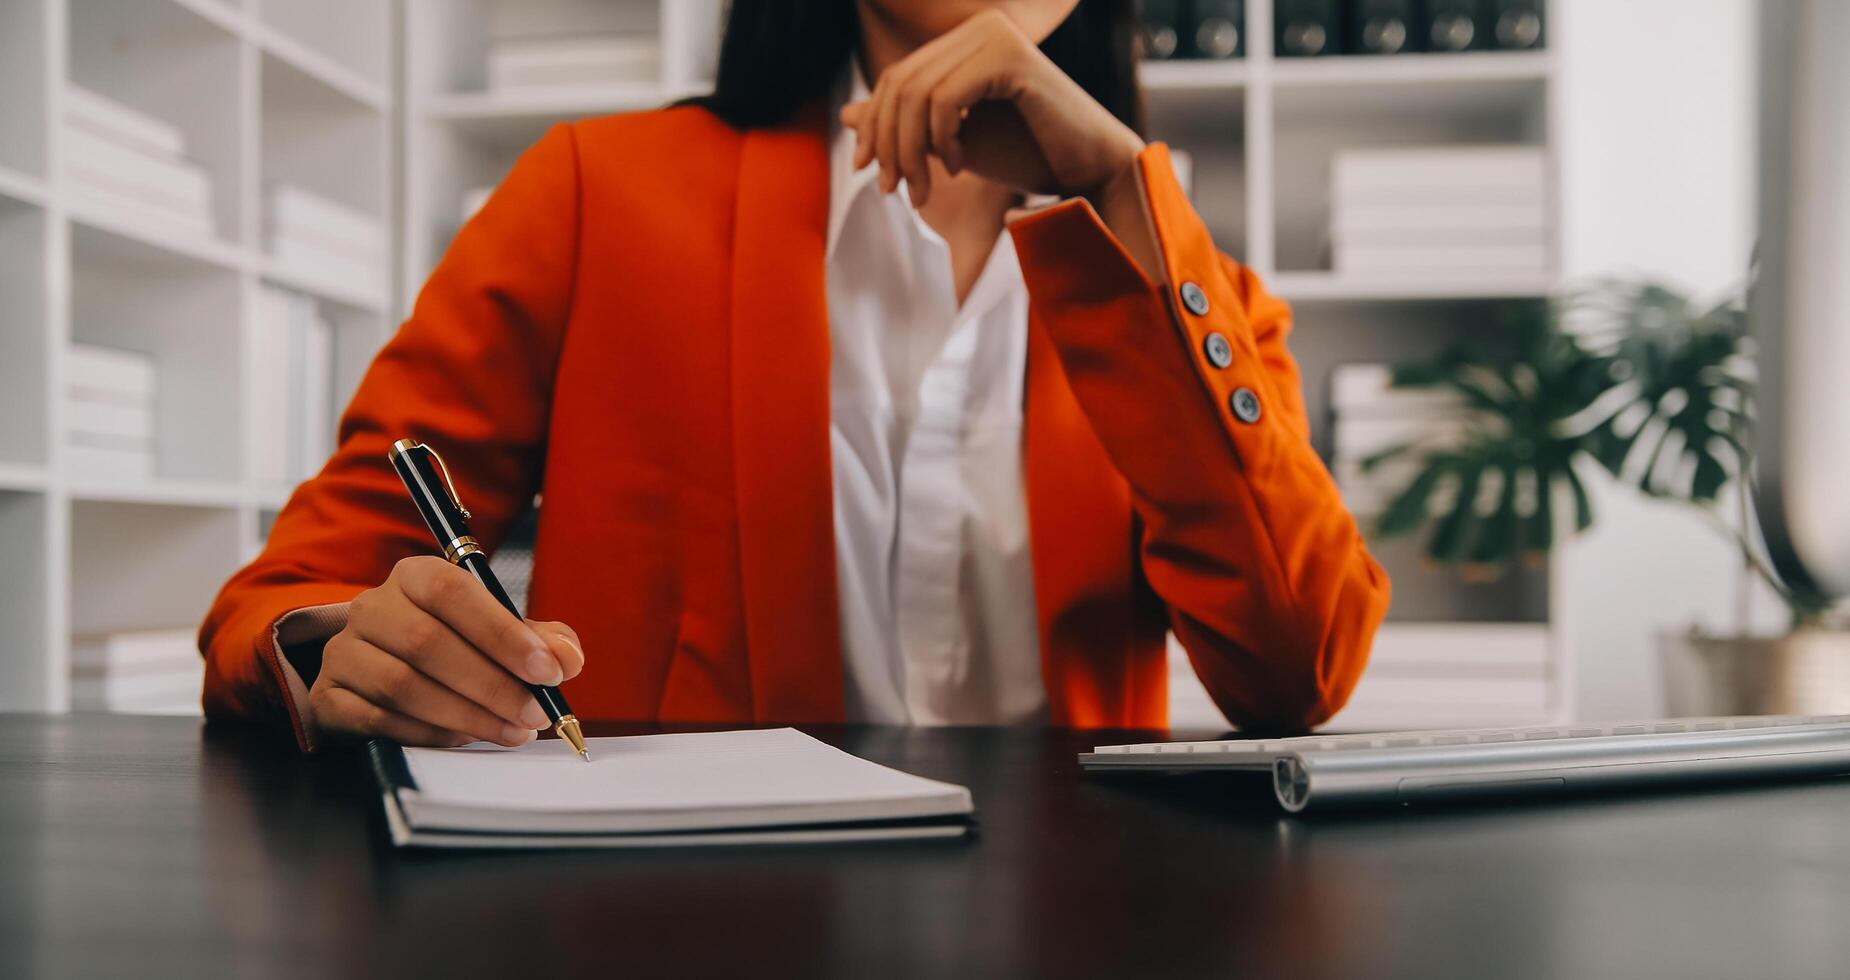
(574, 736)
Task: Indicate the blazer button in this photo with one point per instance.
(1245, 405)
(1219, 351)
(1194, 299)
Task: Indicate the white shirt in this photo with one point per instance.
(936, 583)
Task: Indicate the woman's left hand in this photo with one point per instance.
(983, 97)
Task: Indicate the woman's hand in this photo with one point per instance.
(430, 658)
(983, 97)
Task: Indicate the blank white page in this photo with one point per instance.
(656, 782)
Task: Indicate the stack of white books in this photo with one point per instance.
(142, 672)
(1457, 212)
(109, 398)
(313, 238)
(292, 384)
(133, 165)
(1373, 416)
(521, 65)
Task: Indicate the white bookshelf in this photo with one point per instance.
(263, 90)
(1263, 131)
(460, 134)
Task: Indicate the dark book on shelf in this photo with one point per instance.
(1210, 29)
(1512, 25)
(1306, 28)
(1381, 26)
(1163, 22)
(1218, 29)
(1453, 25)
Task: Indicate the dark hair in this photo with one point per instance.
(778, 56)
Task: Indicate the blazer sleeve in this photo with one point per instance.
(1268, 584)
(470, 372)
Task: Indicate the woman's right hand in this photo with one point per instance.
(430, 658)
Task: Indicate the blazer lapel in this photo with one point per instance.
(780, 424)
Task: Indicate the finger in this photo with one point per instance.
(961, 97)
(915, 104)
(911, 110)
(456, 598)
(342, 711)
(440, 653)
(947, 118)
(392, 684)
(886, 131)
(855, 116)
(564, 643)
(960, 82)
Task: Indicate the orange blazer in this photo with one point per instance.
(636, 326)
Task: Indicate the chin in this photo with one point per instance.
(922, 20)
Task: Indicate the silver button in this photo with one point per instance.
(1219, 351)
(1245, 405)
(1194, 299)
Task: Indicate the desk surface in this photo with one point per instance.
(154, 847)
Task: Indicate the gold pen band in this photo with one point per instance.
(574, 736)
(460, 548)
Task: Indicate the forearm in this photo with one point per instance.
(1186, 381)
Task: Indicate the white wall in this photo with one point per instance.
(1657, 132)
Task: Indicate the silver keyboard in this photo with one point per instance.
(1400, 766)
(1462, 736)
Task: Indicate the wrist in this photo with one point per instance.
(1121, 205)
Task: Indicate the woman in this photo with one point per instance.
(837, 415)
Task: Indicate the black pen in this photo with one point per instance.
(443, 511)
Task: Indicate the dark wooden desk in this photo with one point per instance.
(140, 847)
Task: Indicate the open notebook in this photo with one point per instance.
(745, 787)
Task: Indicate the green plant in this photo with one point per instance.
(1634, 377)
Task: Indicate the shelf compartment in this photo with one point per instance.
(1210, 127)
(1310, 132)
(1194, 75)
(344, 43)
(23, 76)
(124, 556)
(179, 65)
(317, 138)
(21, 187)
(343, 295)
(450, 38)
(1413, 70)
(158, 491)
(24, 354)
(512, 122)
(29, 678)
(17, 477)
(153, 241)
(1327, 287)
(186, 315)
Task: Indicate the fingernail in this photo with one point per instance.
(543, 669)
(516, 736)
(534, 716)
(568, 641)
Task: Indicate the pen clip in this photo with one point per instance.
(449, 484)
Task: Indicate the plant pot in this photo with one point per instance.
(1806, 672)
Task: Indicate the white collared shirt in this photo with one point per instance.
(936, 582)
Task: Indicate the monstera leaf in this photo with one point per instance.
(1675, 421)
(1647, 384)
(1493, 496)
